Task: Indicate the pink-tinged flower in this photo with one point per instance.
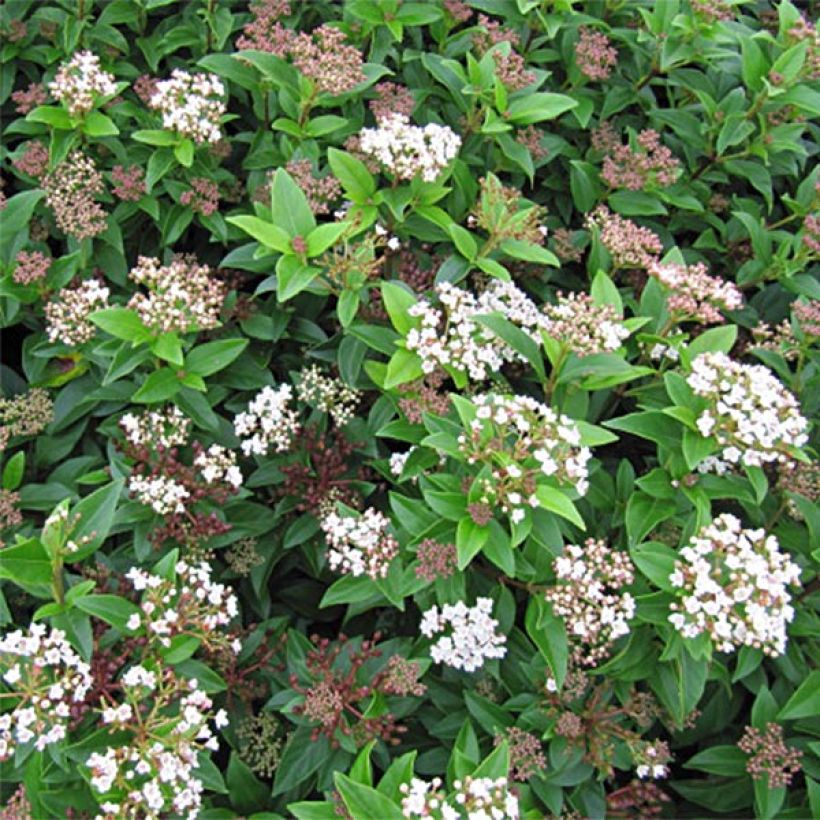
(34, 160)
(509, 64)
(321, 192)
(67, 315)
(649, 163)
(770, 757)
(202, 197)
(80, 81)
(694, 295)
(71, 189)
(629, 244)
(31, 267)
(130, 185)
(392, 99)
(811, 232)
(325, 57)
(145, 87)
(191, 104)
(458, 10)
(264, 32)
(583, 326)
(29, 99)
(435, 560)
(594, 54)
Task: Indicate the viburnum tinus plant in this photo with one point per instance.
(406, 409)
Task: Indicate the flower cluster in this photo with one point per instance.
(243, 556)
(202, 197)
(651, 759)
(770, 757)
(583, 326)
(29, 99)
(71, 189)
(392, 99)
(325, 57)
(734, 583)
(472, 639)
(594, 54)
(453, 338)
(67, 315)
(31, 267)
(80, 81)
(269, 422)
(522, 441)
(753, 417)
(261, 743)
(34, 160)
(10, 516)
(129, 183)
(801, 478)
(264, 32)
(191, 105)
(407, 150)
(527, 757)
(498, 213)
(649, 163)
(694, 294)
(360, 545)
(25, 415)
(162, 494)
(182, 296)
(589, 599)
(44, 675)
(169, 427)
(474, 798)
(216, 464)
(320, 191)
(510, 66)
(156, 773)
(328, 395)
(435, 560)
(630, 245)
(189, 604)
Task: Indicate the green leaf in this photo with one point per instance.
(96, 516)
(404, 366)
(247, 793)
(18, 211)
(26, 563)
(805, 702)
(160, 386)
(539, 107)
(324, 236)
(644, 513)
(529, 252)
(517, 339)
(121, 323)
(289, 206)
(470, 538)
(727, 761)
(605, 292)
(51, 115)
(14, 470)
(584, 186)
(464, 241)
(266, 233)
(364, 802)
(555, 501)
(207, 359)
(636, 203)
(656, 561)
(109, 608)
(347, 307)
(357, 181)
(293, 276)
(157, 137)
(97, 124)
(398, 300)
(301, 758)
(549, 634)
(184, 152)
(715, 340)
(168, 348)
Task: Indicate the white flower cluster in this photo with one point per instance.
(156, 774)
(407, 150)
(752, 416)
(162, 494)
(652, 759)
(360, 545)
(192, 604)
(79, 81)
(472, 639)
(523, 440)
(191, 104)
(589, 601)
(269, 422)
(218, 463)
(46, 675)
(67, 315)
(734, 583)
(583, 326)
(474, 798)
(452, 337)
(157, 428)
(328, 395)
(399, 460)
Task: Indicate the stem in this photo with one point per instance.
(57, 585)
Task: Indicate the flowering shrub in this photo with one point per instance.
(407, 409)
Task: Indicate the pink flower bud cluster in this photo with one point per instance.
(29, 99)
(594, 54)
(31, 267)
(45, 675)
(583, 326)
(527, 757)
(269, 422)
(80, 81)
(392, 98)
(734, 587)
(770, 757)
(325, 57)
(435, 560)
(264, 32)
(34, 160)
(649, 164)
(328, 395)
(629, 244)
(472, 637)
(71, 189)
(320, 192)
(588, 597)
(360, 545)
(129, 182)
(694, 294)
(182, 296)
(753, 417)
(67, 315)
(202, 197)
(191, 104)
(509, 64)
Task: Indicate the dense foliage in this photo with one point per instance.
(406, 409)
